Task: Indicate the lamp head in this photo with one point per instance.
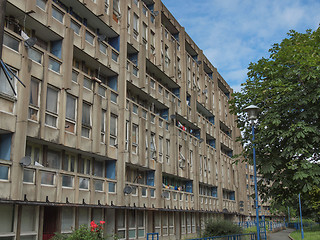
(252, 111)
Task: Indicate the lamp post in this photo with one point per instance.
(302, 233)
(252, 111)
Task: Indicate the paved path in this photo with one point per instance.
(281, 235)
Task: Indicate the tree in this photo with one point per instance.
(286, 88)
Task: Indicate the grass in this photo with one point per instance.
(309, 234)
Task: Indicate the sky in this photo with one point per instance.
(233, 33)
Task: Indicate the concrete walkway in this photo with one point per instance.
(281, 235)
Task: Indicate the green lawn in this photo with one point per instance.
(307, 235)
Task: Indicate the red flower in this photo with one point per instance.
(93, 226)
(102, 222)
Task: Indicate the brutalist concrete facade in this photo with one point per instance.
(123, 119)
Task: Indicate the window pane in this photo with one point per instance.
(89, 37)
(28, 176)
(67, 181)
(112, 187)
(34, 92)
(113, 125)
(103, 48)
(57, 14)
(4, 84)
(83, 183)
(10, 42)
(87, 83)
(75, 26)
(74, 76)
(42, 4)
(113, 97)
(71, 108)
(53, 159)
(6, 222)
(98, 185)
(28, 218)
(47, 178)
(4, 172)
(67, 221)
(86, 114)
(35, 55)
(54, 65)
(52, 98)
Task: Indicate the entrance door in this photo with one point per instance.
(50, 222)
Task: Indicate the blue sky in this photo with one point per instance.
(233, 33)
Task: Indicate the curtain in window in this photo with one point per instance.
(34, 92)
(86, 114)
(52, 98)
(71, 107)
(113, 125)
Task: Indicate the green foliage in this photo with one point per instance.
(286, 88)
(220, 228)
(94, 232)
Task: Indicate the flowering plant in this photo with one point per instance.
(94, 232)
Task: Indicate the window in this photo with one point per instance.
(102, 91)
(5, 84)
(114, 97)
(135, 138)
(42, 4)
(11, 42)
(34, 99)
(89, 37)
(144, 31)
(35, 55)
(75, 26)
(4, 172)
(68, 163)
(57, 14)
(164, 221)
(53, 159)
(127, 136)
(51, 107)
(35, 152)
(168, 150)
(84, 166)
(114, 56)
(67, 181)
(153, 146)
(75, 76)
(141, 224)
(87, 83)
(67, 219)
(113, 129)
(103, 125)
(98, 169)
(160, 148)
(28, 175)
(83, 183)
(54, 65)
(135, 25)
(47, 178)
(103, 47)
(70, 114)
(116, 7)
(135, 108)
(86, 120)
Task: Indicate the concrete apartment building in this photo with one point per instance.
(123, 119)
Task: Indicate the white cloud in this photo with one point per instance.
(234, 33)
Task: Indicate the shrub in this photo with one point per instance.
(94, 232)
(220, 228)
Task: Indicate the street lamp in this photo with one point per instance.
(252, 111)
